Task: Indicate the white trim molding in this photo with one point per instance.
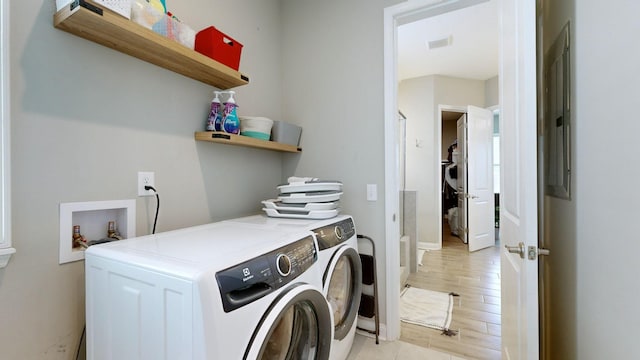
(5, 193)
(5, 255)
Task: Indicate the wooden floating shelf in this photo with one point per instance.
(232, 139)
(124, 35)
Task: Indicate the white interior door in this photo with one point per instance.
(462, 178)
(479, 181)
(518, 193)
(475, 178)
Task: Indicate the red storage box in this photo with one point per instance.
(219, 47)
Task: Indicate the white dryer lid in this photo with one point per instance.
(287, 224)
(196, 249)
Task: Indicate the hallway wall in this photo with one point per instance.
(607, 246)
(594, 246)
(419, 99)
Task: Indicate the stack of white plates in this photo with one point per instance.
(308, 199)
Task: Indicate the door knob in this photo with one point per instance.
(465, 195)
(516, 249)
(469, 196)
(534, 252)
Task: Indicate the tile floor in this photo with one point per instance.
(365, 348)
(476, 313)
(476, 277)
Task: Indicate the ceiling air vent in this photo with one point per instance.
(434, 44)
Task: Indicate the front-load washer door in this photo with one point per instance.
(297, 326)
(342, 283)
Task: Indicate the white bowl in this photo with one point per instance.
(255, 123)
(256, 127)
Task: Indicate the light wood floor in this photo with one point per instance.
(476, 313)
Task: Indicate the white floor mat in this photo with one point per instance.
(428, 308)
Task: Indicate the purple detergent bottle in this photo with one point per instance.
(214, 114)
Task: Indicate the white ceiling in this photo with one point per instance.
(472, 55)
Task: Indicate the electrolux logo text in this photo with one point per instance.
(247, 274)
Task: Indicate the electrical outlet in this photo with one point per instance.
(146, 178)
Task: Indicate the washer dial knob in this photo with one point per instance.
(283, 264)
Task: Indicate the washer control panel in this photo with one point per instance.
(251, 280)
(335, 234)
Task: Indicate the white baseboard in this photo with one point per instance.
(366, 323)
(428, 246)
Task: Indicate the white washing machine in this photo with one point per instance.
(342, 274)
(217, 291)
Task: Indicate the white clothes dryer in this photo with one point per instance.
(217, 291)
(342, 271)
(342, 279)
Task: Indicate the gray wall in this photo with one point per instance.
(85, 119)
(607, 245)
(491, 92)
(333, 86)
(593, 264)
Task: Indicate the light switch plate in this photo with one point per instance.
(372, 192)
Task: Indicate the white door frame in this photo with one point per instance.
(5, 135)
(394, 16)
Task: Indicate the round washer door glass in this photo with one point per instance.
(344, 290)
(299, 330)
(340, 288)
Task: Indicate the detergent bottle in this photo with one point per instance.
(213, 121)
(230, 121)
(158, 5)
